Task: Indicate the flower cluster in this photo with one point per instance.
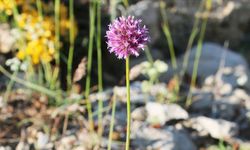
(6, 6)
(39, 37)
(126, 37)
(39, 34)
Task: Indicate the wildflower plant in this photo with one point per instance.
(39, 38)
(126, 36)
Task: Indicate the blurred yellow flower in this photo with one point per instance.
(6, 6)
(21, 54)
(39, 32)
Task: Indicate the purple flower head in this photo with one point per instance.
(126, 37)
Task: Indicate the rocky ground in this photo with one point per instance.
(217, 117)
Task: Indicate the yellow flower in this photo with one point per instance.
(6, 6)
(46, 57)
(39, 34)
(21, 54)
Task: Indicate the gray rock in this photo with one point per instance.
(175, 112)
(162, 139)
(5, 148)
(136, 94)
(7, 39)
(22, 146)
(202, 101)
(148, 11)
(161, 113)
(212, 55)
(223, 24)
(156, 113)
(42, 140)
(139, 114)
(216, 128)
(67, 142)
(228, 107)
(234, 71)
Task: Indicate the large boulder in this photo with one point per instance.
(212, 56)
(224, 22)
(233, 68)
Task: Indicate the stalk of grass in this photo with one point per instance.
(173, 58)
(165, 27)
(9, 86)
(12, 81)
(128, 105)
(198, 53)
(15, 12)
(57, 31)
(39, 8)
(171, 46)
(30, 72)
(111, 128)
(50, 76)
(3, 17)
(92, 11)
(28, 84)
(126, 3)
(194, 32)
(149, 55)
(71, 40)
(40, 75)
(56, 83)
(47, 74)
(166, 30)
(40, 13)
(99, 65)
(113, 9)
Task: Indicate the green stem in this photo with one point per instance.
(126, 3)
(166, 30)
(111, 128)
(56, 83)
(40, 75)
(28, 84)
(170, 45)
(9, 86)
(128, 104)
(71, 40)
(57, 31)
(15, 12)
(16, 15)
(39, 8)
(149, 56)
(113, 9)
(99, 65)
(194, 32)
(89, 63)
(197, 59)
(167, 33)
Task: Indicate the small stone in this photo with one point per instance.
(156, 113)
(159, 114)
(67, 142)
(175, 112)
(217, 128)
(5, 148)
(139, 114)
(22, 146)
(162, 139)
(42, 140)
(225, 89)
(202, 101)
